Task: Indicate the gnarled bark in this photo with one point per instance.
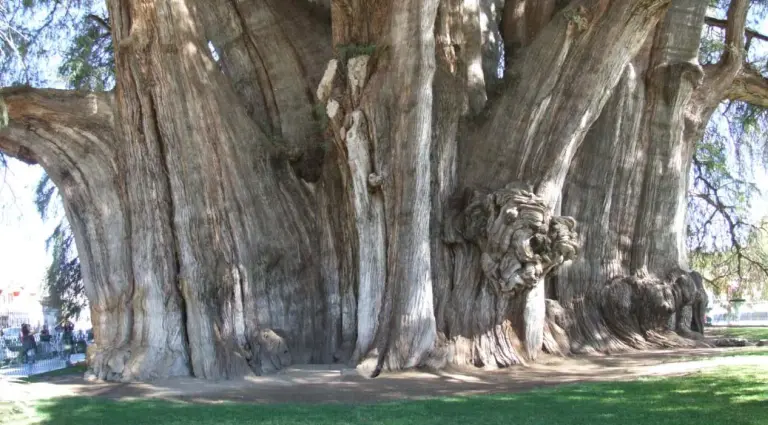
(362, 186)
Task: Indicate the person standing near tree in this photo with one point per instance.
(28, 344)
(45, 340)
(68, 339)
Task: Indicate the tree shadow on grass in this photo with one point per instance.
(731, 396)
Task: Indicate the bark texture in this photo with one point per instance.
(388, 184)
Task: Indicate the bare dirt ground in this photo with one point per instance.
(320, 384)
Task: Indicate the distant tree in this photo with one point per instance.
(64, 286)
(722, 235)
(741, 269)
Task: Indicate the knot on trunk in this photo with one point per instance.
(520, 240)
(644, 307)
(108, 363)
(558, 323)
(273, 351)
(690, 304)
(637, 304)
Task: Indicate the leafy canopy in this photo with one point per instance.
(64, 286)
(723, 233)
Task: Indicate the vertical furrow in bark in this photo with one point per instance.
(157, 346)
(282, 46)
(674, 74)
(226, 30)
(522, 20)
(403, 156)
(364, 235)
(602, 192)
(526, 138)
(274, 53)
(243, 224)
(634, 226)
(369, 211)
(450, 101)
(359, 22)
(472, 54)
(155, 290)
(291, 90)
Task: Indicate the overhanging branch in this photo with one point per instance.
(749, 86)
(101, 22)
(734, 223)
(719, 77)
(67, 107)
(40, 118)
(748, 32)
(735, 26)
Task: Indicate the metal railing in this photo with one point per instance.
(751, 318)
(50, 352)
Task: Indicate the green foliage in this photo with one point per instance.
(63, 281)
(43, 195)
(349, 51)
(749, 333)
(739, 271)
(724, 396)
(89, 62)
(39, 37)
(723, 238)
(64, 286)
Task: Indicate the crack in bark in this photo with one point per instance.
(179, 284)
(267, 89)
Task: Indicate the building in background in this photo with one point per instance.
(20, 304)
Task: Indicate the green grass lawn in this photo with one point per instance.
(736, 352)
(732, 396)
(749, 333)
(78, 369)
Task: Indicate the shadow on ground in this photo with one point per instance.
(334, 384)
(733, 396)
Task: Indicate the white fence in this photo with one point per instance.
(750, 314)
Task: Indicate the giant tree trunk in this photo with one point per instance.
(353, 181)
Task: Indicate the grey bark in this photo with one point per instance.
(360, 186)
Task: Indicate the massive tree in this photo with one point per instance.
(393, 184)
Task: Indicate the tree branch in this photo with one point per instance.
(719, 77)
(749, 86)
(723, 23)
(32, 112)
(67, 107)
(736, 25)
(713, 198)
(101, 22)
